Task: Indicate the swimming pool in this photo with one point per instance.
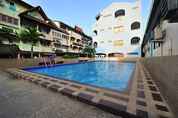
(104, 74)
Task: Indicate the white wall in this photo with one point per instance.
(108, 21)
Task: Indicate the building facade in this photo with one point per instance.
(160, 38)
(78, 40)
(17, 14)
(60, 41)
(117, 30)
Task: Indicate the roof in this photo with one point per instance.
(154, 6)
(73, 29)
(39, 9)
(48, 22)
(22, 3)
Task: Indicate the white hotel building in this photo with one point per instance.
(118, 31)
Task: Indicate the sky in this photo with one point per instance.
(82, 12)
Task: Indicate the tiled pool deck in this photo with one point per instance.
(143, 100)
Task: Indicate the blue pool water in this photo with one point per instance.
(106, 74)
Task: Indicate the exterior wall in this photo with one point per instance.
(114, 34)
(169, 46)
(77, 40)
(61, 39)
(164, 71)
(5, 9)
(77, 37)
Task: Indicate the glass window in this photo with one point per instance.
(120, 12)
(4, 18)
(135, 25)
(135, 40)
(95, 44)
(95, 31)
(12, 6)
(0, 17)
(118, 29)
(9, 20)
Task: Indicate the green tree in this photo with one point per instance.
(29, 35)
(89, 51)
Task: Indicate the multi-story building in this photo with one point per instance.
(78, 40)
(16, 14)
(117, 31)
(160, 38)
(60, 41)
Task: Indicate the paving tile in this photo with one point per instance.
(76, 86)
(37, 81)
(117, 97)
(53, 80)
(140, 94)
(140, 86)
(157, 97)
(45, 84)
(153, 88)
(142, 114)
(142, 103)
(84, 97)
(92, 90)
(67, 91)
(114, 108)
(54, 87)
(64, 83)
(150, 82)
(148, 78)
(162, 108)
(140, 81)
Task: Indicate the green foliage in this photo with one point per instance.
(89, 51)
(29, 35)
(67, 56)
(6, 30)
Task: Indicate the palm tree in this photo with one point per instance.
(31, 35)
(89, 51)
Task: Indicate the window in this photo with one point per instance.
(118, 29)
(135, 25)
(8, 19)
(4, 18)
(95, 44)
(12, 6)
(120, 12)
(96, 33)
(15, 22)
(98, 17)
(135, 40)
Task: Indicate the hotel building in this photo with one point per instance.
(16, 14)
(117, 31)
(78, 40)
(160, 37)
